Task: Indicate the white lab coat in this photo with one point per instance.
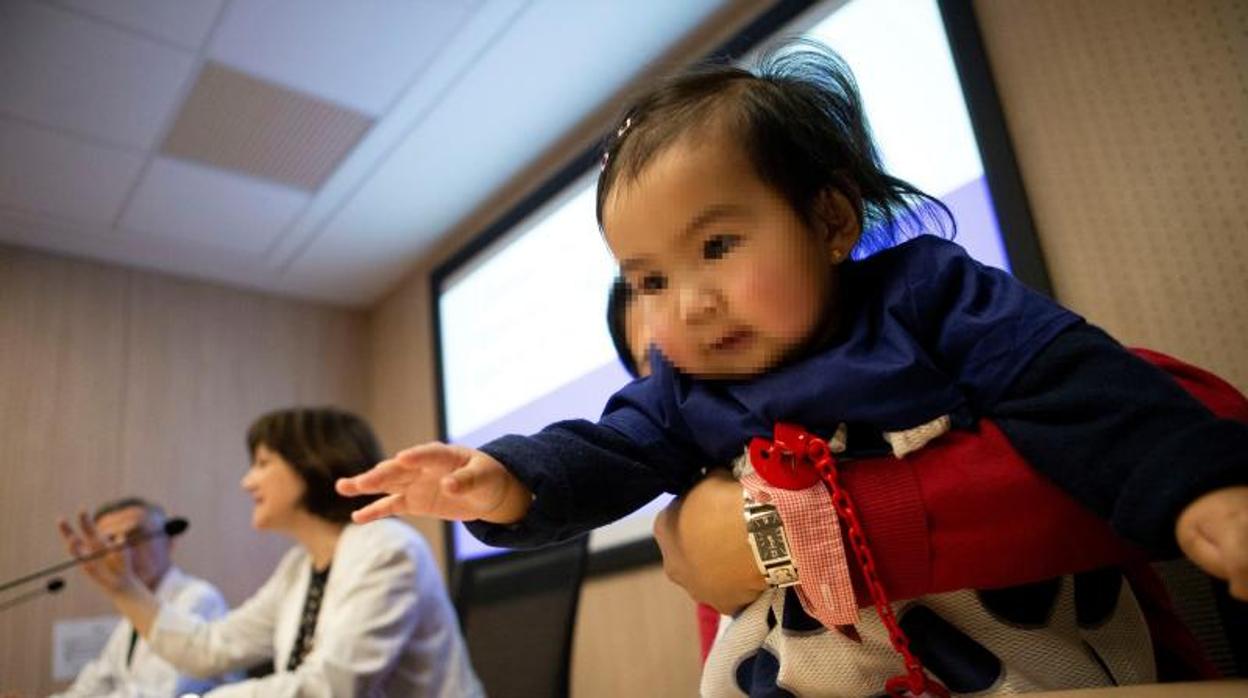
(386, 626)
(147, 675)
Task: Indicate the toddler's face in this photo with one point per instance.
(728, 276)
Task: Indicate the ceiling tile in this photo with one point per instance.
(44, 171)
(185, 22)
(467, 95)
(360, 53)
(237, 122)
(60, 69)
(211, 207)
(453, 61)
(472, 142)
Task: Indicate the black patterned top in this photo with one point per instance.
(307, 624)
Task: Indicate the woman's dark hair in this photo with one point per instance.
(799, 117)
(322, 444)
(617, 323)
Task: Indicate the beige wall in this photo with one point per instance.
(1130, 122)
(115, 381)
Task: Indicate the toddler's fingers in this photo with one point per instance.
(1233, 545)
(466, 478)
(1206, 555)
(383, 477)
(433, 449)
(1239, 590)
(380, 509)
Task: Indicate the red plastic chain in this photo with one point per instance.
(808, 450)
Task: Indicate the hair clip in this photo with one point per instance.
(619, 133)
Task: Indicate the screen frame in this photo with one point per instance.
(1004, 180)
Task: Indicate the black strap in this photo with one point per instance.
(134, 640)
(307, 623)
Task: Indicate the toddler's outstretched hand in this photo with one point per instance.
(447, 482)
(1213, 532)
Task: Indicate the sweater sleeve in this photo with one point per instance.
(242, 638)
(979, 323)
(1119, 435)
(582, 476)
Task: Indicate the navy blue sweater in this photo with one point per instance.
(926, 331)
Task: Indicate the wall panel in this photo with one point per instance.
(1130, 122)
(115, 381)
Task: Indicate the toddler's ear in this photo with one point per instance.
(837, 215)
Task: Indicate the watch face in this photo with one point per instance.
(768, 536)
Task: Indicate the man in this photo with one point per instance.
(127, 667)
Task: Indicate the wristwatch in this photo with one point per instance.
(765, 531)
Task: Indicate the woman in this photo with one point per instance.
(350, 610)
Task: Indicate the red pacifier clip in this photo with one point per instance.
(797, 459)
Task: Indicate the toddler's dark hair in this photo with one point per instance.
(617, 315)
(799, 117)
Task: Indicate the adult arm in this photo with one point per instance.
(384, 600)
(243, 638)
(155, 621)
(703, 541)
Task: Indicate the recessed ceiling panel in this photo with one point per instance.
(234, 121)
(359, 53)
(86, 77)
(43, 171)
(184, 22)
(211, 207)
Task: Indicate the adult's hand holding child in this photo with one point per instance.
(703, 541)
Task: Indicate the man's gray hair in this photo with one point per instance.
(152, 509)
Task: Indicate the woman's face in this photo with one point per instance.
(276, 490)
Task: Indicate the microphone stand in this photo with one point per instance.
(171, 528)
(52, 587)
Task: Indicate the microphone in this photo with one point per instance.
(173, 527)
(53, 586)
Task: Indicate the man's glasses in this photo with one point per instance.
(131, 537)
